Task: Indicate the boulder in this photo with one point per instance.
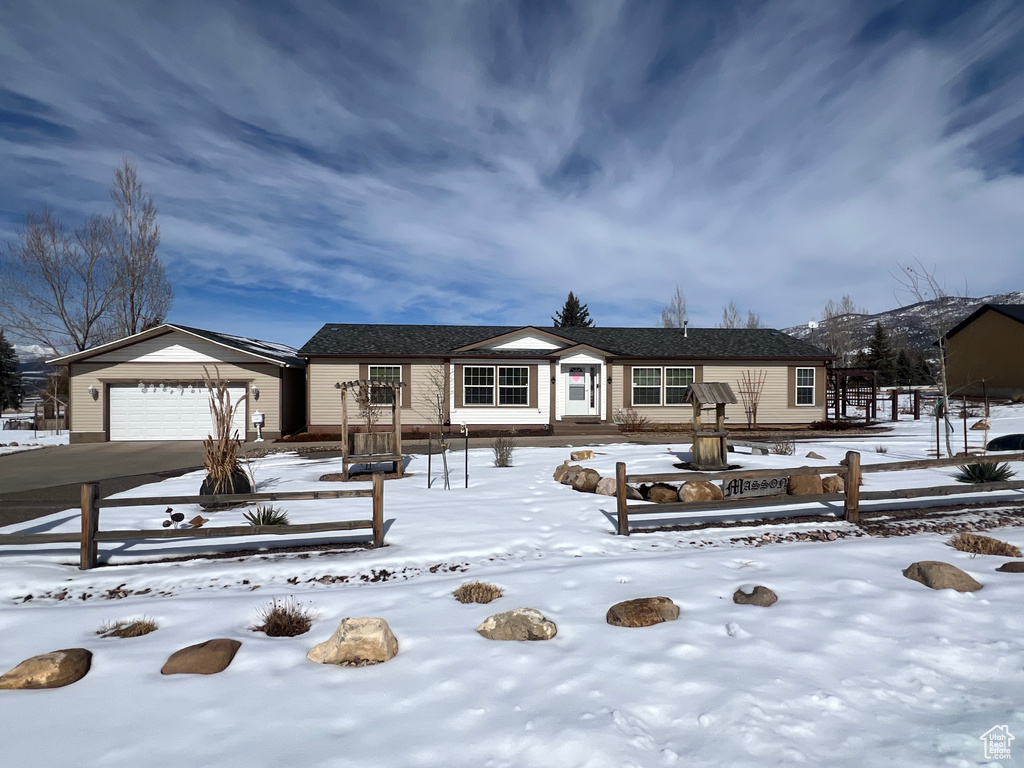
(804, 485)
(607, 487)
(581, 455)
(633, 494)
(939, 575)
(832, 484)
(662, 493)
(982, 424)
(642, 612)
(1012, 567)
(586, 480)
(813, 455)
(517, 624)
(357, 642)
(560, 471)
(759, 595)
(700, 490)
(1003, 443)
(571, 473)
(207, 658)
(49, 670)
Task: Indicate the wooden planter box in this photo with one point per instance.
(371, 444)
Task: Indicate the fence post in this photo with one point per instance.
(378, 509)
(620, 498)
(90, 523)
(917, 405)
(851, 488)
(895, 415)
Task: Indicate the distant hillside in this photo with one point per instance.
(33, 368)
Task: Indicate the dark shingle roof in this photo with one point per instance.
(443, 340)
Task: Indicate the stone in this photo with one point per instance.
(48, 670)
(813, 455)
(642, 612)
(633, 494)
(982, 424)
(759, 595)
(939, 575)
(804, 485)
(571, 473)
(357, 642)
(13, 444)
(662, 493)
(1012, 567)
(560, 471)
(586, 480)
(608, 487)
(581, 455)
(517, 624)
(207, 658)
(832, 484)
(1006, 443)
(700, 490)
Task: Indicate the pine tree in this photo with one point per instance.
(904, 369)
(881, 356)
(11, 392)
(573, 314)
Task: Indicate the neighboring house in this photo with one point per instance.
(504, 376)
(985, 352)
(150, 386)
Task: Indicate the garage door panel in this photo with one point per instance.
(171, 413)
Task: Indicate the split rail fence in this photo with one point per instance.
(91, 535)
(850, 469)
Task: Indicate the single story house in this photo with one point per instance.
(507, 376)
(150, 386)
(984, 352)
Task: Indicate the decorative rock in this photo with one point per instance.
(661, 493)
(642, 612)
(759, 595)
(633, 494)
(357, 642)
(560, 471)
(700, 490)
(1012, 567)
(586, 480)
(13, 444)
(939, 575)
(607, 487)
(581, 455)
(983, 424)
(48, 670)
(207, 658)
(571, 473)
(813, 455)
(832, 484)
(804, 485)
(517, 624)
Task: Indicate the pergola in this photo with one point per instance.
(371, 447)
(710, 444)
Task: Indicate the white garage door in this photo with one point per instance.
(171, 413)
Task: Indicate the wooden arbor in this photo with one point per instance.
(371, 447)
(853, 386)
(710, 446)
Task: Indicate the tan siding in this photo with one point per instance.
(174, 347)
(325, 399)
(989, 349)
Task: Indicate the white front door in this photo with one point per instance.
(580, 395)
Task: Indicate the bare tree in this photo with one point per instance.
(750, 387)
(754, 320)
(731, 318)
(437, 395)
(146, 294)
(837, 330)
(674, 315)
(59, 287)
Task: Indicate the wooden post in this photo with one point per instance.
(430, 453)
(344, 433)
(90, 523)
(851, 488)
(895, 405)
(963, 410)
(378, 509)
(917, 405)
(620, 498)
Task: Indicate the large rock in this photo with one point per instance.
(804, 485)
(571, 473)
(662, 493)
(560, 471)
(517, 624)
(607, 487)
(581, 455)
(700, 490)
(983, 424)
(832, 484)
(207, 658)
(1006, 443)
(642, 612)
(586, 480)
(759, 595)
(939, 575)
(1012, 567)
(357, 642)
(49, 670)
(813, 455)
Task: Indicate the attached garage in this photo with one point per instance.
(151, 386)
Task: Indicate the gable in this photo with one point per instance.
(173, 347)
(525, 341)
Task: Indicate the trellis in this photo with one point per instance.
(371, 447)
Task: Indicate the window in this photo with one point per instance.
(478, 385)
(805, 386)
(384, 395)
(676, 382)
(647, 386)
(513, 386)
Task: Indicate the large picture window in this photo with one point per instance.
(805, 386)
(676, 382)
(657, 386)
(478, 385)
(384, 395)
(513, 386)
(647, 386)
(496, 385)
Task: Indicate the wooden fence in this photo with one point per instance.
(90, 534)
(849, 469)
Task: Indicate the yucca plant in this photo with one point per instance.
(989, 472)
(266, 515)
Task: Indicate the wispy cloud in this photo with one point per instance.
(474, 162)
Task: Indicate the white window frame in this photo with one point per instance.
(491, 387)
(635, 386)
(693, 378)
(509, 388)
(496, 387)
(381, 396)
(798, 387)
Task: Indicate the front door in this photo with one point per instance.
(580, 385)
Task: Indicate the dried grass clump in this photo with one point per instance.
(784, 447)
(477, 592)
(629, 420)
(503, 450)
(127, 628)
(284, 618)
(881, 449)
(983, 545)
(221, 448)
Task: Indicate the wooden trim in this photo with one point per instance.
(533, 371)
(405, 401)
(820, 382)
(698, 374)
(460, 392)
(627, 386)
(364, 371)
(791, 386)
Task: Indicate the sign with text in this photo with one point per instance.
(749, 487)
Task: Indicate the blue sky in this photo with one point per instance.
(472, 162)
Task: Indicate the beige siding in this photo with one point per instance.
(175, 347)
(325, 397)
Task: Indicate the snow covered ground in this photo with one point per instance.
(854, 666)
(28, 440)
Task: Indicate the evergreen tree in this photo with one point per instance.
(923, 373)
(573, 314)
(904, 369)
(11, 392)
(881, 356)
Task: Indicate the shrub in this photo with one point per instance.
(266, 515)
(284, 618)
(477, 592)
(503, 448)
(127, 628)
(983, 545)
(881, 449)
(221, 449)
(989, 472)
(784, 447)
(629, 420)
(827, 425)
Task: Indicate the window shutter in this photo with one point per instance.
(627, 386)
(820, 383)
(406, 397)
(460, 393)
(533, 372)
(364, 371)
(791, 386)
(698, 374)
